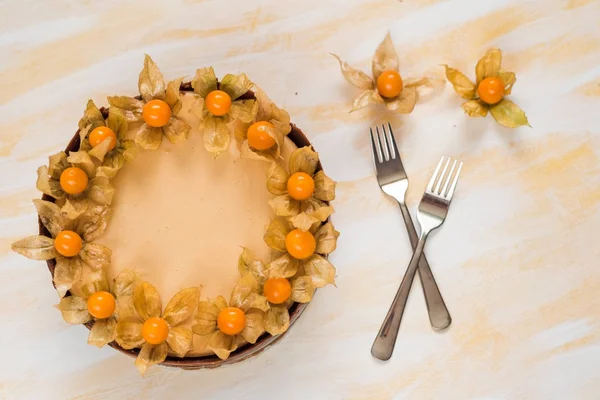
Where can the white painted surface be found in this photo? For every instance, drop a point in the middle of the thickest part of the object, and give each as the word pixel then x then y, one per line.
pixel 517 259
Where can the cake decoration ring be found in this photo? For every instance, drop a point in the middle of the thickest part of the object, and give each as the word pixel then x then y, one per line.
pixel 127 312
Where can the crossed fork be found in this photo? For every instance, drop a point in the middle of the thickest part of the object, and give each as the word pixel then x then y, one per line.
pixel 431 213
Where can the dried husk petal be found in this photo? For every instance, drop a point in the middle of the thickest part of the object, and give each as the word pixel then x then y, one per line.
pixel 205 81
pixel 243 111
pixel 81 159
pixel 151 354
pixel 95 281
pixel 277 319
pixel 461 84
pixel 275 234
pixel 405 102
pixel 489 65
pixel 366 98
pixel 173 95
pixel 385 57
pixel 285 266
pixel 508 114
pixel 509 79
pixel 235 85
pixel 206 318
pixel 128 153
pixel 311 220
pixel 255 326
pixel 217 136
pixel 101 191
pixel 92 223
pixel 95 255
pixel 315 207
pixel 100 151
pixel 221 303
pixel 146 301
pixel 129 333
pixel 92 117
pixel 354 76
pixel 57 164
pixel 245 294
pixel 249 264
pixel 305 222
pixel 324 187
pixel 222 345
pixel 180 340
pixel 475 108
pixel 151 83
pixel 66 273
pixel 326 238
pixel 75 207
pixel 117 122
pixel 51 216
pixel 48 186
pixel 284 206
pixel 320 212
pixel 125 283
pixel 181 306
pixel 74 310
pixel 125 307
pixel 148 137
pixel 130 107
pixel 35 247
pixel 107 171
pixel 320 270
pixel 304 160
pixel 277 178
pixel 176 130
pixel 302 289
pixel 103 332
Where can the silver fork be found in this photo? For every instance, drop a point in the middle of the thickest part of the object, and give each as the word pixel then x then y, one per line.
pixel 394 182
pixel 431 214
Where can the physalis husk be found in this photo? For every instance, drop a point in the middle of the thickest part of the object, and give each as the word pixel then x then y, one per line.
pixel 158 108
pixel 385 85
pixel 154 330
pixel 70 243
pixel 489 90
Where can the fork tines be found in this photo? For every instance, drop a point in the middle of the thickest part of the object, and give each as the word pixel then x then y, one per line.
pixel 384 144
pixel 444 183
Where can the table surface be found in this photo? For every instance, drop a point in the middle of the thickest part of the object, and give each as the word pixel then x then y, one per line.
pixel 517 259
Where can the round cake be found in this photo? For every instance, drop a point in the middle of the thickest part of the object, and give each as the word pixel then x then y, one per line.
pixel 187 226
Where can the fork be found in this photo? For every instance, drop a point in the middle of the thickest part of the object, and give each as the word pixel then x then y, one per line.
pixel 394 182
pixel 431 215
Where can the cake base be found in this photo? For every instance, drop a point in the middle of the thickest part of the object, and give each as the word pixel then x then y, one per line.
pixel 209 361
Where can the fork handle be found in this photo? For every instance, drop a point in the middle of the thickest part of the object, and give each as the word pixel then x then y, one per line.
pixel 439 317
pixel 383 346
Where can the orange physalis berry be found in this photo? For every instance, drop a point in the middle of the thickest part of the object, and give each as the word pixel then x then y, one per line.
pixel 68 243
pixel 491 90
pixel 258 138
pixel 389 84
pixel 277 290
pixel 231 321
pixel 300 244
pixel 155 330
pixel 73 180
pixel 156 113
pixel 101 305
pixel 218 103
pixel 101 133
pixel 300 186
